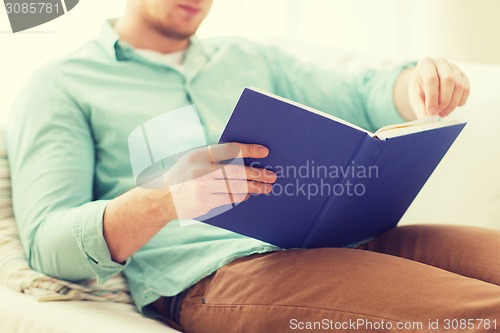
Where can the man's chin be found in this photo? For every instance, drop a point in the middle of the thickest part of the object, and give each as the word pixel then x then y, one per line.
pixel 176 33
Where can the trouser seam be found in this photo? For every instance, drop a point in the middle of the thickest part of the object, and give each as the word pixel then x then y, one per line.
pixel 246 306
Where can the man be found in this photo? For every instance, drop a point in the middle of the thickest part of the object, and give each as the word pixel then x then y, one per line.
pixel 81 216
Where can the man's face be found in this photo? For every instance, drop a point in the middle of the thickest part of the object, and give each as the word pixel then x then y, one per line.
pixel 175 18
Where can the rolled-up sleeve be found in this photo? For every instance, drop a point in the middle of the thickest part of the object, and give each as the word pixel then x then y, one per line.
pixel 52 159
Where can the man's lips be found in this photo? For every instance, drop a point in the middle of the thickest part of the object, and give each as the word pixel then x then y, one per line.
pixel 191 10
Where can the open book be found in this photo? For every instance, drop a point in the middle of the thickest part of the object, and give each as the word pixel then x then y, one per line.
pixel 338 184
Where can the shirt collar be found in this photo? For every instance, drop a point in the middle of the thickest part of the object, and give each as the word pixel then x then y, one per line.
pixel 108 38
pixel 196 55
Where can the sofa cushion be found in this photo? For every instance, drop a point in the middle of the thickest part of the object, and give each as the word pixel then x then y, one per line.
pixel 15 272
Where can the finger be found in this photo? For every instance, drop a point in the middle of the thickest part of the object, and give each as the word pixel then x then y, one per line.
pixel 259 188
pixel 235 186
pixel 418 105
pixel 430 83
pixel 417 98
pixel 447 79
pixel 457 92
pixel 232 150
pixel 466 93
pixel 232 171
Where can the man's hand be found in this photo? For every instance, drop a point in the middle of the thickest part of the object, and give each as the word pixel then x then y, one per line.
pixel 199 182
pixel 433 87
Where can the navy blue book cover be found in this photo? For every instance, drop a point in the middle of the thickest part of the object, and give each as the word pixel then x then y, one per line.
pixel 337 184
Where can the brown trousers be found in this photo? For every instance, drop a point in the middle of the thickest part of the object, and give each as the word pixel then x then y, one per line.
pixel 410 279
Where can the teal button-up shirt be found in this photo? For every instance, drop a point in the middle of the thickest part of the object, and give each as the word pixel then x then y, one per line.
pixel 67 145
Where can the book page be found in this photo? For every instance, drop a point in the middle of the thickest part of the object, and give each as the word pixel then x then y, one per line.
pixel 420 125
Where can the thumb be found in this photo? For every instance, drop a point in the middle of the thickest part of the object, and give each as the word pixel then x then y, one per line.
pixel 417 99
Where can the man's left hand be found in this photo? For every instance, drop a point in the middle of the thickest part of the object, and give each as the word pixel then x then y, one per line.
pixel 437 87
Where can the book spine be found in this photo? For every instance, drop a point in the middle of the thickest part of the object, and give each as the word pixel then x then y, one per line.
pixel 363 157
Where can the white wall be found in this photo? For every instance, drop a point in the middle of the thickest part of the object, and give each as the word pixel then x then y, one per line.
pixel 458 29
pixel 462 30
pixel 23 52
pixel 467 30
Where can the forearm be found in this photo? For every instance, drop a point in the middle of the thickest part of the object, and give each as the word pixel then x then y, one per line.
pixel 401 95
pixel 95 238
pixel 133 218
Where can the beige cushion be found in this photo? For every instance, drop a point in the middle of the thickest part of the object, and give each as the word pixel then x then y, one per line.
pixel 15 272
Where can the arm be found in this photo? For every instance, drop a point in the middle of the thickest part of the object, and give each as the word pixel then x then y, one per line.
pixel 51 155
pixel 64 231
pixel 364 98
pixel 133 218
pixel 371 98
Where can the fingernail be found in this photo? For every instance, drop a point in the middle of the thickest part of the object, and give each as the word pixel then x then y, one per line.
pixel 272 177
pixel 263 150
pixel 442 114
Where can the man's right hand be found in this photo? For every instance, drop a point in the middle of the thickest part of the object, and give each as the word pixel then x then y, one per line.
pixel 199 181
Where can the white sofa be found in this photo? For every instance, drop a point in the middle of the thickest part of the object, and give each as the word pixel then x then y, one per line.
pixel 465 189
pixel 20 313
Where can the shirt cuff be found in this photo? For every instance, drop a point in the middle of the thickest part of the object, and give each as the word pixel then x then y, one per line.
pixel 90 237
pixel 383 109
